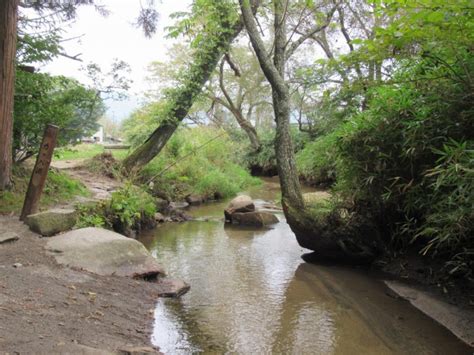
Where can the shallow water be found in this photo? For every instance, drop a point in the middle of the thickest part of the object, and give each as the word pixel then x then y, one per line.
pixel 251 293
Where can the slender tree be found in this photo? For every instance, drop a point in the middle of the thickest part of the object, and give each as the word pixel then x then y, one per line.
pixel 8 28
pixel 223 27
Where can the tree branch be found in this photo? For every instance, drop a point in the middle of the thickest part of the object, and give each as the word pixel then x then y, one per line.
pixel 294 46
pixel 267 65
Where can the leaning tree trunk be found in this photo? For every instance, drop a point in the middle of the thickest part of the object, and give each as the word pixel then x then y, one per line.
pixel 274 72
pixel 8 27
pixel 249 130
pixel 205 59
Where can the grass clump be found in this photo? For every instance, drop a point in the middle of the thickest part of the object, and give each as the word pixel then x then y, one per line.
pixel 59 188
pixel 130 209
pixel 193 163
pixel 87 151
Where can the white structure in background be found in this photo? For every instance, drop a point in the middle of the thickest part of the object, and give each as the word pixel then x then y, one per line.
pixel 98 137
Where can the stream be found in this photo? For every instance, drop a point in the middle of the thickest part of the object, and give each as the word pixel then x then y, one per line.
pixel 252 293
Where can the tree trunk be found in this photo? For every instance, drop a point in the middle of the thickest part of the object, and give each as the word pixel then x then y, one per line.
pixel 286 164
pixel 8 28
pixel 181 98
pixel 248 129
pixel 274 72
pixel 236 110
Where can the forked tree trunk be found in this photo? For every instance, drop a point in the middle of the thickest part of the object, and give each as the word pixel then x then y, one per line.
pixel 8 27
pixel 274 72
pixel 203 63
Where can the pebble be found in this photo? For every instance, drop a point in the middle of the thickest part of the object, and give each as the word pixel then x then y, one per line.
pixel 17 265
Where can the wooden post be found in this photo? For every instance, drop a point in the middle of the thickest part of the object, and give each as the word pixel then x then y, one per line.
pixel 40 172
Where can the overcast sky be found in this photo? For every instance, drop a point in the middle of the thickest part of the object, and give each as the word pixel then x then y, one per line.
pixel 114 36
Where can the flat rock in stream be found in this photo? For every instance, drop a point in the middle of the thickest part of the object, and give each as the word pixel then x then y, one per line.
pixel 172 288
pixel 256 219
pixel 104 253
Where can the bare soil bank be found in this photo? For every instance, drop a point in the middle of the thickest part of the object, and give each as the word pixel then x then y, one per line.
pixel 46 308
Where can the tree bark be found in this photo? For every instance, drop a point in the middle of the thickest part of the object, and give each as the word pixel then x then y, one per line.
pixel 180 100
pixel 236 110
pixel 274 72
pixel 8 29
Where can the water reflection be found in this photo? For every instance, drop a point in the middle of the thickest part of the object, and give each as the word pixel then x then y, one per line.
pixel 251 293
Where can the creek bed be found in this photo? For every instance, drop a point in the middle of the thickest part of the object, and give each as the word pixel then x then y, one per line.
pixel 251 293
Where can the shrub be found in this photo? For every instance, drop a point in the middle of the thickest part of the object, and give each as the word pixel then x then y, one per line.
pixel 59 188
pixel 194 161
pixel 130 208
pixel 408 159
pixel 317 161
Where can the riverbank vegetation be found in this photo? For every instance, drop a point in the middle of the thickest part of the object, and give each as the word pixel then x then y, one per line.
pixel 372 99
pixel 59 190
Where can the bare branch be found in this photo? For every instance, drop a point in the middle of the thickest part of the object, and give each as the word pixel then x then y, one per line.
pixel 318 28
pixel 73 57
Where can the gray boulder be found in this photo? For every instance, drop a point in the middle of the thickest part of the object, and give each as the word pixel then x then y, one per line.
pixel 172 288
pixel 178 205
pixel 240 204
pixel 256 219
pixel 161 204
pixel 159 217
pixel 195 200
pixel 103 252
pixel 52 222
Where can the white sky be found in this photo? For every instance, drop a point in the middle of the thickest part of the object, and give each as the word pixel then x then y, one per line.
pixel 115 36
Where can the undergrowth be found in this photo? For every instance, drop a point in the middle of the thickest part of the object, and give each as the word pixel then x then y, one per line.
pixel 59 188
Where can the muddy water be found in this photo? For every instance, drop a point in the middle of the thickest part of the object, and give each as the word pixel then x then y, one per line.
pixel 251 293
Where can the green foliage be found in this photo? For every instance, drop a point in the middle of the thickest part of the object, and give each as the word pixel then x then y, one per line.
pixel 409 160
pixel 41 99
pixel 317 161
pixel 449 208
pixel 193 161
pixel 91 216
pixel 264 160
pixel 131 205
pixel 59 188
pixel 142 122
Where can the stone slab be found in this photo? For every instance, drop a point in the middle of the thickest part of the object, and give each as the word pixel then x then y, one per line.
pixel 103 252
pixel 52 221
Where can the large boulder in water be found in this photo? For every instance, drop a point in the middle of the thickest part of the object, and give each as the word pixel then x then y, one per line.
pixel 195 200
pixel 52 222
pixel 240 204
pixel 256 219
pixel 340 236
pixel 103 252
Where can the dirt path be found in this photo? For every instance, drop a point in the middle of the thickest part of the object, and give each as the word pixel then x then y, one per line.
pixel 99 185
pixel 49 309
pixel 46 308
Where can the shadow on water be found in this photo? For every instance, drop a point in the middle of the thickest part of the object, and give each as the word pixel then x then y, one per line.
pixel 251 292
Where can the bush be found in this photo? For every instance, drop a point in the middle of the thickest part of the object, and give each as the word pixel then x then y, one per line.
pixel 409 160
pixel 317 161
pixel 194 161
pixel 59 188
pixel 130 208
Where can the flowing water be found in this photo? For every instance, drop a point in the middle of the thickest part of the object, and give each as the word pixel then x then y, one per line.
pixel 251 293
